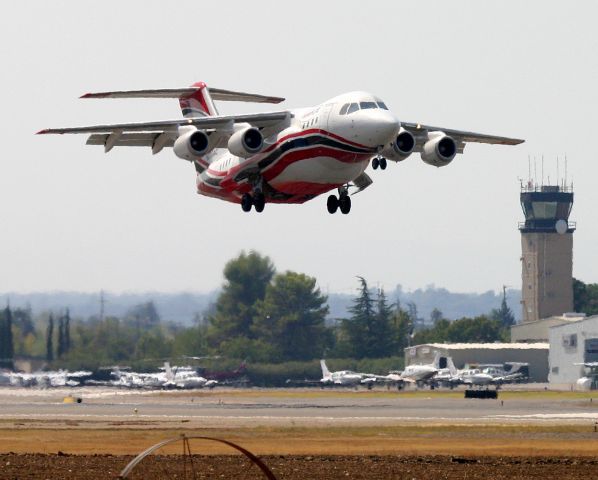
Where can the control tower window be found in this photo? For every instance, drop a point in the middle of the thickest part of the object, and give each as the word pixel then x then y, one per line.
pixel 544 210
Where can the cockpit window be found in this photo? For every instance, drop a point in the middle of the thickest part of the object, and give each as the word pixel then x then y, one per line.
pixel 365 105
pixel 382 105
pixel 344 109
pixel 353 108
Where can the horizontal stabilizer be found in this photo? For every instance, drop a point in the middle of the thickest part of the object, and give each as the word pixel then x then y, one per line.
pixel 216 94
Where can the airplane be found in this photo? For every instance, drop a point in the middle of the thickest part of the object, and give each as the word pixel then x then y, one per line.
pixel 185 377
pixel 590 380
pixel 421 373
pixel 284 156
pixel 345 377
pixel 482 376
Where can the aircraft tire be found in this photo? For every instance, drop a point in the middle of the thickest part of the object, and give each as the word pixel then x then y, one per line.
pixel 332 204
pixel 345 204
pixel 383 163
pixel 246 202
pixel 375 163
pixel 259 202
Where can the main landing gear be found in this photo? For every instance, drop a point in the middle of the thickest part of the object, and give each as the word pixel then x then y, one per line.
pixel 257 200
pixel 343 202
pixel 379 162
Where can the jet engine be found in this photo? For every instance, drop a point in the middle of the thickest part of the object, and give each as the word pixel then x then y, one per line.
pixel 192 144
pixel 245 142
pixel 439 150
pixel 400 148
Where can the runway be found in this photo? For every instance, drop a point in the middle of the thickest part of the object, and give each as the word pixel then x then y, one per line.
pixel 291 407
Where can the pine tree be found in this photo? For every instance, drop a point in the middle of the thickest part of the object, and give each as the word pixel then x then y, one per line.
pixel 60 347
pixel 382 341
pixel 504 314
pixel 49 341
pixel 67 331
pixel 358 328
pixel 10 349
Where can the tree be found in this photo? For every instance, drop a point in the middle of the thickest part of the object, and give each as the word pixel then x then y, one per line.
pixel 504 315
pixel 144 315
pixel 49 341
pixel 435 316
pixel 246 280
pixel 60 347
pixel 67 330
pixel 291 317
pixel 585 297
pixel 6 339
pixel 383 338
pixel 402 328
pixel 359 328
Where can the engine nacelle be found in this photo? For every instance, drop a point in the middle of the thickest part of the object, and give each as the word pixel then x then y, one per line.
pixel 192 145
pixel 246 142
pixel 400 148
pixel 439 150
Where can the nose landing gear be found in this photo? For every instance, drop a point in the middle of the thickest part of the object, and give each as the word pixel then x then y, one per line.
pixel 343 202
pixel 379 162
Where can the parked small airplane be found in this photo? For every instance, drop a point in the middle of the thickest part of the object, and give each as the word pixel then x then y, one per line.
pixel 345 377
pixel 286 156
pixel 590 380
pixel 421 373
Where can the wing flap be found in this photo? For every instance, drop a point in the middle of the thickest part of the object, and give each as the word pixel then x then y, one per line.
pixel 128 140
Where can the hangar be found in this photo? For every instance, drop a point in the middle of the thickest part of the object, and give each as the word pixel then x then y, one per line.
pixel 571 343
pixel 535 354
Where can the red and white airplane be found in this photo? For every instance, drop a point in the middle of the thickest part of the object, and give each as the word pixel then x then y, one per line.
pixel 287 156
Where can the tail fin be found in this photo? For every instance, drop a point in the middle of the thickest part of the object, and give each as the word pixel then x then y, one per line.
pixel 168 371
pixel 325 371
pixel 451 366
pixel 199 103
pixel 195 101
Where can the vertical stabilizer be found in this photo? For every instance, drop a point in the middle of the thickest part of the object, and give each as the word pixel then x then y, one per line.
pixel 451 366
pixel 325 371
pixel 168 371
pixel 199 103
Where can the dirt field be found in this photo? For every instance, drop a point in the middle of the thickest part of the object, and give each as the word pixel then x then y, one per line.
pixel 96 467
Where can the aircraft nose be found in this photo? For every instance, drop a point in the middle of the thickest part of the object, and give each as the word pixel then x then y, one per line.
pixel 379 127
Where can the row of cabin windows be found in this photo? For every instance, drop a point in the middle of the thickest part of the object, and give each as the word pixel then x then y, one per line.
pixel 348 108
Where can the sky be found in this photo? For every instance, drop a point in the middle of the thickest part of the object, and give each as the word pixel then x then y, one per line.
pixel 74 218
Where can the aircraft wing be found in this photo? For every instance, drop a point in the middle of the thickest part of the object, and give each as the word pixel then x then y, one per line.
pixel 223 122
pixel 460 136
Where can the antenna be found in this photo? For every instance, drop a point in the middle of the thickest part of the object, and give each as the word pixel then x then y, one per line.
pixel 542 169
pixel 535 172
pixel 529 169
pixel 565 169
pixel 557 169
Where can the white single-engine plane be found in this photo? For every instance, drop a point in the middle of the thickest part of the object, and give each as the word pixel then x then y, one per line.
pixel 287 156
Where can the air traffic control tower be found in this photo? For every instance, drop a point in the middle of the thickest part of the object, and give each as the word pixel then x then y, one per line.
pixel 547 251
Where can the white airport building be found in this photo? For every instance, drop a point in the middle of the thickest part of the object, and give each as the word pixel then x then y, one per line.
pixel 571 343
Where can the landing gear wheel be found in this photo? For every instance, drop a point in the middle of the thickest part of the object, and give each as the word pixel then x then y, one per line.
pixel 376 163
pixel 246 202
pixel 259 201
pixel 383 163
pixel 332 204
pixel 345 204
